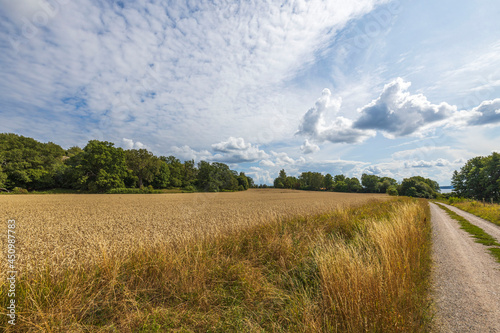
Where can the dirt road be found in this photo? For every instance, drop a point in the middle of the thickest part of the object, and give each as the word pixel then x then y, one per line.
pixel 466 278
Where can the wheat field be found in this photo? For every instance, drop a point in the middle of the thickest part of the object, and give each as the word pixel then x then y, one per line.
pixel 65 231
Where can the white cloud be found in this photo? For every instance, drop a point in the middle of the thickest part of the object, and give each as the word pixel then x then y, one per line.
pixel 427 164
pixel 187 153
pixel 396 112
pixel 308 148
pixel 314 125
pixel 130 144
pixel 267 163
pixel 150 67
pixel 488 112
pixel 235 150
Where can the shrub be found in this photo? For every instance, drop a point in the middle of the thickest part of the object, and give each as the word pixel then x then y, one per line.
pixel 392 190
pixel 19 190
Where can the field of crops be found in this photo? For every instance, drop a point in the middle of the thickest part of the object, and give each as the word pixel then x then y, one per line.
pixel 260 260
pixel 64 231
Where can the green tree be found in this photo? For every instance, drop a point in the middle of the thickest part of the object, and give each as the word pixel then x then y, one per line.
pixel 243 181
pixel 329 182
pixel 370 183
pixel 102 167
pixel 189 173
pixel 144 165
pixel 162 178
pixel 176 170
pixel 280 182
pixel 419 187
pixel 28 163
pixel 392 190
pixel 354 185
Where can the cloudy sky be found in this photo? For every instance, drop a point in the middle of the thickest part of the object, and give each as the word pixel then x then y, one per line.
pixel 393 88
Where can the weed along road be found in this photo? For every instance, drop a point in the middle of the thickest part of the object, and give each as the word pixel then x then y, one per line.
pixel 466 278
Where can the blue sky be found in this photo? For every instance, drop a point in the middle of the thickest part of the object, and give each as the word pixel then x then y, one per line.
pixel 393 88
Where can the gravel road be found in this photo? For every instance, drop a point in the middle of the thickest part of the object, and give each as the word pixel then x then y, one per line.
pixel 466 278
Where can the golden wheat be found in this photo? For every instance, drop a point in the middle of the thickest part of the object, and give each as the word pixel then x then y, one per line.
pixel 67 231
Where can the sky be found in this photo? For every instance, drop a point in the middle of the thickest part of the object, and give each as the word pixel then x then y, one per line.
pixel 393 88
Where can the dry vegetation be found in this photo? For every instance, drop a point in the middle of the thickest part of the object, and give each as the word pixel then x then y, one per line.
pixel 487 211
pixel 67 230
pixel 261 260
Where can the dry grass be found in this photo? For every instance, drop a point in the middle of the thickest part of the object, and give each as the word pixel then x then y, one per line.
pixel 67 230
pixel 487 211
pixel 277 261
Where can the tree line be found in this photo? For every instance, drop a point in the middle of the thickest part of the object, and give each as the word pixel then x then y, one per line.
pixel 101 167
pixel 479 178
pixel 416 186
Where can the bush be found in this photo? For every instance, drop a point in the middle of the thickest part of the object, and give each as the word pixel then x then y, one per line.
pixel 141 190
pixel 392 190
pixel 190 189
pixel 19 190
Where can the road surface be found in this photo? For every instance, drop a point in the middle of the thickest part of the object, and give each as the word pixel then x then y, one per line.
pixel 465 277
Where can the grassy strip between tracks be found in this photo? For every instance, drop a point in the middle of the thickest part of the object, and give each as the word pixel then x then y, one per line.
pixel 478 233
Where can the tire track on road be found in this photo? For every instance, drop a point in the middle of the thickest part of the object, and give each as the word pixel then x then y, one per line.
pixel 466 279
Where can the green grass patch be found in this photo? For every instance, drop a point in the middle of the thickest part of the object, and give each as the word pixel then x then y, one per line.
pixel 480 236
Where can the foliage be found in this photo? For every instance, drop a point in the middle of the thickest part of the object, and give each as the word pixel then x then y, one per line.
pixel 392 190
pixel 28 163
pixel 339 183
pixel 101 167
pixel 419 187
pixel 479 178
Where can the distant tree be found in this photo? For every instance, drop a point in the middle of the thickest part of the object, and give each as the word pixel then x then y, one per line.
pixel 370 183
pixel 189 173
pixel 280 181
pixel 162 178
pixel 243 181
pixel 341 186
pixel 144 165
pixel 311 181
pixel 28 163
pixel 354 185
pixel 385 182
pixel 479 178
pixel 392 190
pixel 176 170
pixel 102 167
pixel 328 182
pixel 419 187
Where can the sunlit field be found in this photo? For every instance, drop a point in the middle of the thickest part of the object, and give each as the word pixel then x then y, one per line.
pixel 68 230
pixel 260 260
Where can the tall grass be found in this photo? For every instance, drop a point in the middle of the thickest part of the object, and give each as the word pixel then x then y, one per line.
pixel 487 211
pixel 350 270
pixel 376 281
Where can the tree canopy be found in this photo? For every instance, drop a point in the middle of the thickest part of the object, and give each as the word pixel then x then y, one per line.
pixel 100 166
pixel 479 178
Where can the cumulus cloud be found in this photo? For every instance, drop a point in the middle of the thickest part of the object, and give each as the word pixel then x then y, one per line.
pixel 488 112
pixel 236 150
pixel 396 112
pixel 187 153
pixel 373 170
pixel 427 164
pixel 130 144
pixel 308 148
pixel 232 144
pixel 139 65
pixel 314 125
